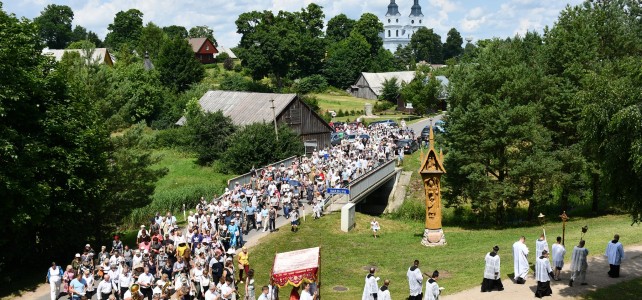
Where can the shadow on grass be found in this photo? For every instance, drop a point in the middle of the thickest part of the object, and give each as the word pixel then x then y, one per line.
pixel 22 281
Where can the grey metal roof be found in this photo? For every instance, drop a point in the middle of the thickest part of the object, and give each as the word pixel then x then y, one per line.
pixel 244 108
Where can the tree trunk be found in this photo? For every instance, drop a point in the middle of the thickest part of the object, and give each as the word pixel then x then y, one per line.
pixel 596 192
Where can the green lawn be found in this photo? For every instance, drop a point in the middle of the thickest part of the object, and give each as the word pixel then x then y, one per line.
pixel 624 290
pixel 345 257
pixel 345 103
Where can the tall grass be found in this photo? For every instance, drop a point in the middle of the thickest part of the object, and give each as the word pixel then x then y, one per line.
pixel 185 183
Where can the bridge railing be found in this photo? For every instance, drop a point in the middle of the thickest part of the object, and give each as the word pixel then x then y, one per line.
pixel 371 178
pixel 246 178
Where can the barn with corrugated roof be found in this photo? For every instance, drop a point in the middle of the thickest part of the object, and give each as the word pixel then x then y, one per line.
pixel 246 108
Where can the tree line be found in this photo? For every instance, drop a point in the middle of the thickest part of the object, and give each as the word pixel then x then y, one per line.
pixel 550 121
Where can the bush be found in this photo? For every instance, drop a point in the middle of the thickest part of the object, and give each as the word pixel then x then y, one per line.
pixel 314 83
pixel 221 57
pixel 210 134
pixel 340 113
pixel 238 68
pixel 174 138
pixel 210 66
pixel 380 106
pixel 228 64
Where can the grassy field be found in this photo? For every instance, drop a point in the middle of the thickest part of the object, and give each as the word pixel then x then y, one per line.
pixel 185 182
pixel 345 257
pixel 346 103
pixel 623 290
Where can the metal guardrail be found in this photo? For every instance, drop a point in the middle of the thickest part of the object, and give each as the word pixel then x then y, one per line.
pixel 245 178
pixel 371 178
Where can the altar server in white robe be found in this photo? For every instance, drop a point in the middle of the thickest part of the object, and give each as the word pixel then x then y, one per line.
pixel 558 257
pixel 520 260
pixel 492 279
pixel 579 265
pixel 540 245
pixel 615 254
pixel 370 290
pixel 432 288
pixel 384 291
pixel 543 275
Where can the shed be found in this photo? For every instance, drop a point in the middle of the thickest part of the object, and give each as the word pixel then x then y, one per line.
pixel 370 85
pixel 246 108
pixel 204 49
pixel 223 49
pixel 100 55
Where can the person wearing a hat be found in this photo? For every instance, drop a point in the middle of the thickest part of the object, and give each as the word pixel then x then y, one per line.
pixel 76 262
pixel 140 233
pixel 492 278
pixel 116 244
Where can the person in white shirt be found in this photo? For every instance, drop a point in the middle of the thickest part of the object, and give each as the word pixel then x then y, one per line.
pixel 227 289
pixel 265 290
pixel 124 280
pixel 558 251
pixel 105 288
pixel 305 293
pixel 89 279
pixel 145 281
pixel 540 245
pixel 615 254
pixel 579 264
pixel 54 277
pixel 211 293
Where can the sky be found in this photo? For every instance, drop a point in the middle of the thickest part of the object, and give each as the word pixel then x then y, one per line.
pixel 472 18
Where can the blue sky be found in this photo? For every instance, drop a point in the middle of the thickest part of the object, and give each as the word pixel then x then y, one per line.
pixel 475 19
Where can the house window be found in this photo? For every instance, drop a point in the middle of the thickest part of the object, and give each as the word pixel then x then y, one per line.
pixel 397 20
pixel 412 22
pixel 419 21
pixel 388 21
pixel 397 32
pixel 388 33
pixel 207 47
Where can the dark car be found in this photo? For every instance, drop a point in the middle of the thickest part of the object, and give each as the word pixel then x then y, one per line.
pixel 437 129
pixel 409 146
pixel 335 138
pixel 364 137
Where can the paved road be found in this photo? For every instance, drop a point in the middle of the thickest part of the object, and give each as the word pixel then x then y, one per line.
pixel 418 126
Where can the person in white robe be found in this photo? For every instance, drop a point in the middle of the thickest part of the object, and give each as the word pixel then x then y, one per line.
pixel 579 265
pixel 543 275
pixel 492 279
pixel 615 254
pixel 540 245
pixel 432 288
pixel 520 260
pixel 370 289
pixel 415 281
pixel 558 257
pixel 384 291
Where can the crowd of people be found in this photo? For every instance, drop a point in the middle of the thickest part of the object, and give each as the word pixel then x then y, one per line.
pixel 207 258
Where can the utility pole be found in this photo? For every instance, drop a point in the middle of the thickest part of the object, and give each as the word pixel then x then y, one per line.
pixel 276 130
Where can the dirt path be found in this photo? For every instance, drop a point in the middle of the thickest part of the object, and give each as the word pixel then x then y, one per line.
pixel 596 278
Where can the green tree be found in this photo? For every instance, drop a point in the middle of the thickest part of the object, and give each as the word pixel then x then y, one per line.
pixel 256 145
pixel 383 62
pixel 54 24
pixel 403 57
pixel 80 34
pixel 177 65
pixel 228 62
pixel 210 132
pixel 423 91
pixel 151 40
pixel 452 48
pixel 369 27
pixel 390 90
pixel 175 31
pixel 126 28
pixel 339 28
pixel 203 31
pixel 346 60
pixel 426 46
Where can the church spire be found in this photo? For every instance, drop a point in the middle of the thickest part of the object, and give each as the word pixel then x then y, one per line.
pixel 393 9
pixel 415 11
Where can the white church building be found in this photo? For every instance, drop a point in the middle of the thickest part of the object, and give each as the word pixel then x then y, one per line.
pixel 397 28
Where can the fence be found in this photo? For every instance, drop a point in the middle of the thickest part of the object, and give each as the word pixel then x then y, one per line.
pixel 371 178
pixel 246 178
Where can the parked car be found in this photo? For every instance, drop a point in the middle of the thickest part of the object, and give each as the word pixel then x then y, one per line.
pixel 351 138
pixel 409 146
pixel 390 123
pixel 364 137
pixel 335 138
pixel 437 129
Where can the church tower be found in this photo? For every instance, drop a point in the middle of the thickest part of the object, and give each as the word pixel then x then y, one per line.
pixel 393 25
pixel 415 20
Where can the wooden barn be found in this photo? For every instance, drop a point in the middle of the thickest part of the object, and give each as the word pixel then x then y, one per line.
pixel 204 50
pixel 246 108
pixel 369 85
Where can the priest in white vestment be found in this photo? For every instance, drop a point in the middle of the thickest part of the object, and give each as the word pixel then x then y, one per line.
pixel 579 263
pixel 543 274
pixel 540 245
pixel 370 290
pixel 384 291
pixel 520 260
pixel 432 288
pixel 558 257
pixel 415 281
